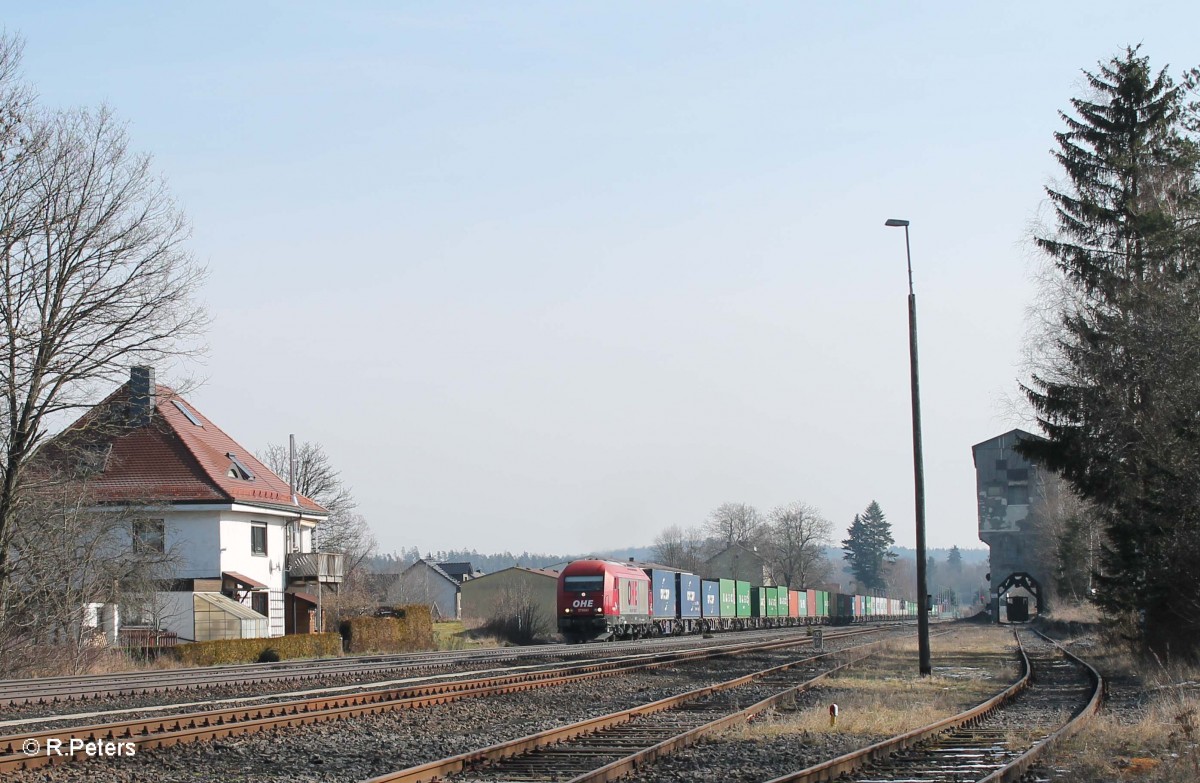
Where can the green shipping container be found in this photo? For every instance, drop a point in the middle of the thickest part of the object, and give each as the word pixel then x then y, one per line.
pixel 772 602
pixel 728 597
pixel 822 603
pixel 804 603
pixel 781 599
pixel 743 598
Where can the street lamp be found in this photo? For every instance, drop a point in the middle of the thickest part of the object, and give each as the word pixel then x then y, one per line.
pixel 918 466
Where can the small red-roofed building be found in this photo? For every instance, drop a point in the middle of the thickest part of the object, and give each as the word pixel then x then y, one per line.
pixel 243 542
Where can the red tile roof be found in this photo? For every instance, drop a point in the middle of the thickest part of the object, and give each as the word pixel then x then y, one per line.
pixel 172 460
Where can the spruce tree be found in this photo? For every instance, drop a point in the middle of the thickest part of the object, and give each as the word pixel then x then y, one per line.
pixel 954 561
pixel 868 547
pixel 1118 395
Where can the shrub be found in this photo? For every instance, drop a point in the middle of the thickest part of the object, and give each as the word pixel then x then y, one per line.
pixel 517 619
pixel 303 645
pixel 269 655
pixel 411 628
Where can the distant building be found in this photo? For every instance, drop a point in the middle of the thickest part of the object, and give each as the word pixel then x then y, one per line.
pixel 426 583
pixel 460 572
pixel 244 542
pixel 738 562
pixel 489 595
pixel 1008 486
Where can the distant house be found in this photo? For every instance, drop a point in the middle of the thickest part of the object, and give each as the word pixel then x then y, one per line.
pixel 489 595
pixel 427 583
pixel 243 541
pixel 460 572
pixel 737 562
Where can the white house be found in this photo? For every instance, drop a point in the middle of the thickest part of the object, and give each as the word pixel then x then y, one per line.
pixel 242 539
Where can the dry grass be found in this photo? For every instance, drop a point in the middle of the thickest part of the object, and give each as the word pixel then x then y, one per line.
pixel 1161 747
pixel 1073 613
pixel 454 635
pixel 885 696
pixel 1149 730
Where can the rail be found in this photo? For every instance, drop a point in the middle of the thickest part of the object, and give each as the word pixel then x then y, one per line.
pixel 191 727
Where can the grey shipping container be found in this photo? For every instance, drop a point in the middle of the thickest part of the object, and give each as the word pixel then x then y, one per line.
pixel 687 588
pixel 711 607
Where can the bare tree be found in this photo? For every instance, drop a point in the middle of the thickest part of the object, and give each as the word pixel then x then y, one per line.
pixel 734 523
pixel 680 548
pixel 1066 539
pixel 316 478
pixel 795 546
pixel 900 579
pixel 95 274
pixel 73 557
pixel 518 617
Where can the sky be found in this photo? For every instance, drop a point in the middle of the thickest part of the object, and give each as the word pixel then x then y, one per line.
pixel 555 276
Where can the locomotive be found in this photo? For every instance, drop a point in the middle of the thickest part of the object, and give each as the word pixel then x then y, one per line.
pixel 603 599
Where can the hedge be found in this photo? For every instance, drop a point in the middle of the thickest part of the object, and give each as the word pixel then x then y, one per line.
pixel 300 645
pixel 410 629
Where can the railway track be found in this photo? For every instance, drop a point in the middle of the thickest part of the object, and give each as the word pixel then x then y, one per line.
pixel 610 746
pixel 995 742
pixel 54 690
pixel 190 727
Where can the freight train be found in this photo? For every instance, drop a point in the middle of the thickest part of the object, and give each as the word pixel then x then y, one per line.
pixel 602 599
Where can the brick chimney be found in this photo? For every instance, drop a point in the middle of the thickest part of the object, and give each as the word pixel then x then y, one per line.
pixel 141 396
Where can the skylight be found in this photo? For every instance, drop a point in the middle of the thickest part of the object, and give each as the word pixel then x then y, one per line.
pixel 238 470
pixel 184 410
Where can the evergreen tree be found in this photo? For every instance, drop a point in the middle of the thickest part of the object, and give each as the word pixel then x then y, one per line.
pixel 868 547
pixel 954 561
pixel 1118 395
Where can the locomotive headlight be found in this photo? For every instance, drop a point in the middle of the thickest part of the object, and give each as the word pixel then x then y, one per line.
pixel 567 610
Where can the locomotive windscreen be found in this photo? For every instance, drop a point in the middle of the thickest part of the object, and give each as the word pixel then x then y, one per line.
pixel 590 584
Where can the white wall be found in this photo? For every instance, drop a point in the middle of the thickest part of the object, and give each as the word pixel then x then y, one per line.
pixel 210 541
pixel 175 612
pixel 236 555
pixel 422 585
pixel 193 535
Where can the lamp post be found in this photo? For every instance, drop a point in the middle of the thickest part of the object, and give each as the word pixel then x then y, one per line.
pixel 918 466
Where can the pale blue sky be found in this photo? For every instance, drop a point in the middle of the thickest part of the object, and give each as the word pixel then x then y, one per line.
pixel 554 276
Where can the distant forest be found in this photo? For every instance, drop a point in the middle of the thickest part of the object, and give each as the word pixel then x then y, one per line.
pixel 395 562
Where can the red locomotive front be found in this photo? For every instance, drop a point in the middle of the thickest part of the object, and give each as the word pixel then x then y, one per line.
pixel 598 599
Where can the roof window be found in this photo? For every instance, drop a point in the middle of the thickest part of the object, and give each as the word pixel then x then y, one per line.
pixel 187 412
pixel 238 469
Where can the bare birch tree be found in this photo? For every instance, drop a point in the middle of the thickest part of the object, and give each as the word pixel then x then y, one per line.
pixel 96 277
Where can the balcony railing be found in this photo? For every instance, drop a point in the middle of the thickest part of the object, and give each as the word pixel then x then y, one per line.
pixel 322 566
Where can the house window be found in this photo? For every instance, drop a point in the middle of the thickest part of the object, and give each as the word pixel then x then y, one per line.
pixel 258 602
pixel 149 535
pixel 238 469
pixel 258 539
pixel 186 412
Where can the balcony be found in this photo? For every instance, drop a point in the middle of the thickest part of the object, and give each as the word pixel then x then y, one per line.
pixel 322 566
